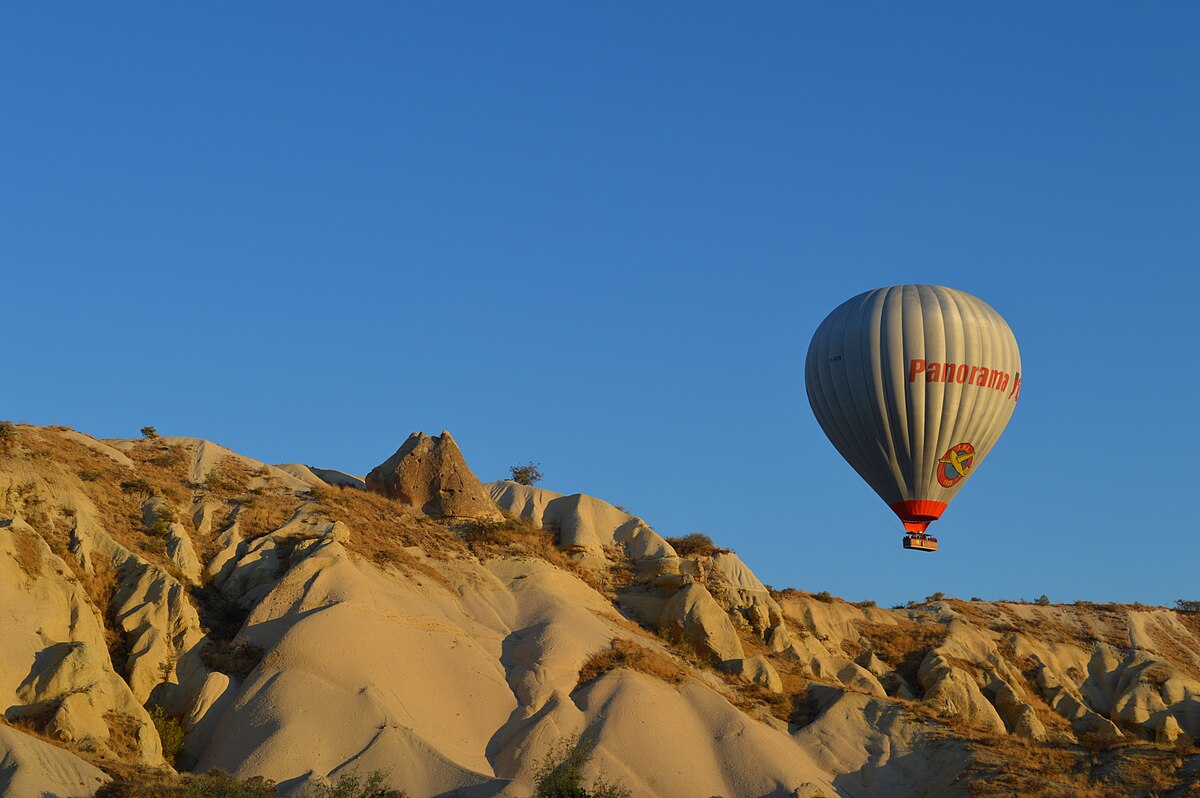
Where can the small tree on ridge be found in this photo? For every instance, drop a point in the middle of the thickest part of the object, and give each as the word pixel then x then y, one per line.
pixel 528 474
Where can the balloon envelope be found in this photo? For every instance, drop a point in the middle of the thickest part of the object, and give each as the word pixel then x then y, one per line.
pixel 913 384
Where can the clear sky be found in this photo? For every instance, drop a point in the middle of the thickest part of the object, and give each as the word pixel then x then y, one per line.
pixel 600 236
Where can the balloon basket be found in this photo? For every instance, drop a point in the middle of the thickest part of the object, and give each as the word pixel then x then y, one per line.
pixel 920 543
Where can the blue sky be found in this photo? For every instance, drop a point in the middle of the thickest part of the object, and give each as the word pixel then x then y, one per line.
pixel 600 237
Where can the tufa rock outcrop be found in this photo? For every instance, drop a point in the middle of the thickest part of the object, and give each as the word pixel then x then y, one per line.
pixel 431 473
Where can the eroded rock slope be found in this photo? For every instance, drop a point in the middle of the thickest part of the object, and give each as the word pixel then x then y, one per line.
pixel 296 626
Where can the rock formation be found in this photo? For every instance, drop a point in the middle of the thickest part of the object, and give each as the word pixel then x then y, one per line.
pixel 297 635
pixel 431 473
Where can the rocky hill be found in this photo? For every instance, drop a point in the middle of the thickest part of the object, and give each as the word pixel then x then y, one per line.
pixel 167 605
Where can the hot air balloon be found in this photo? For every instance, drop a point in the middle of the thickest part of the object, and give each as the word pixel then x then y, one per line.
pixel 913 384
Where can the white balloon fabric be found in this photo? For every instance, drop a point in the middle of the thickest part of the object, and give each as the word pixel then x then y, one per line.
pixel 913 384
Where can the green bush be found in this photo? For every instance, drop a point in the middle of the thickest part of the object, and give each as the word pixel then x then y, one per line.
pixel 350 785
pixel 8 433
pixel 560 775
pixel 696 543
pixel 219 784
pixel 149 432
pixel 88 475
pixel 138 485
pixel 170 731
pixel 528 474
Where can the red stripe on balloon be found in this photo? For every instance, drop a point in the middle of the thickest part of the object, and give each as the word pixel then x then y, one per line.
pixel 917 514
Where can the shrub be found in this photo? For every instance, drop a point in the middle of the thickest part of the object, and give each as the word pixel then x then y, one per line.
pixel 219 784
pixel 350 785
pixel 1187 605
pixel 161 784
pixel 493 533
pixel 560 774
pixel 215 482
pixel 528 474
pixel 695 544
pixel 938 596
pixel 235 658
pixel 164 516
pixel 824 596
pixel 138 485
pixel 171 457
pixel 88 475
pixel 170 731
pixel 8 433
pixel 1096 741
pixel 864 605
pixel 149 432
pixel 1042 600
pixel 804 709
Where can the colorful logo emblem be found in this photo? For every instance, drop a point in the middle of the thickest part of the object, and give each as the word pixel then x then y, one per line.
pixel 955 464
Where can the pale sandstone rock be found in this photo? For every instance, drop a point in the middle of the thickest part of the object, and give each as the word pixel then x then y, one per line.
pixel 205 457
pixel 954 693
pixel 1019 717
pixel 739 591
pixel 323 477
pixel 30 767
pixel 759 670
pixel 1168 730
pixel 584 523
pixel 694 616
pixel 54 652
pixel 892 682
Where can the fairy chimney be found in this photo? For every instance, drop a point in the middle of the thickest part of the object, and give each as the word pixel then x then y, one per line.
pixel 431 473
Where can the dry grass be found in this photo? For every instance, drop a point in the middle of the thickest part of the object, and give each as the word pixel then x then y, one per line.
pixel 1058 726
pixel 1182 653
pixel 265 511
pixel 229 478
pixel 142 782
pixel 624 653
pixel 1191 620
pixel 27 552
pixel 512 536
pixel 119 509
pixel 383 526
pixel 903 645
pixel 518 537
pixel 122 735
pixel 100 587
pixel 139 781
pixel 1084 624
pixel 1004 766
pixel 33 719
